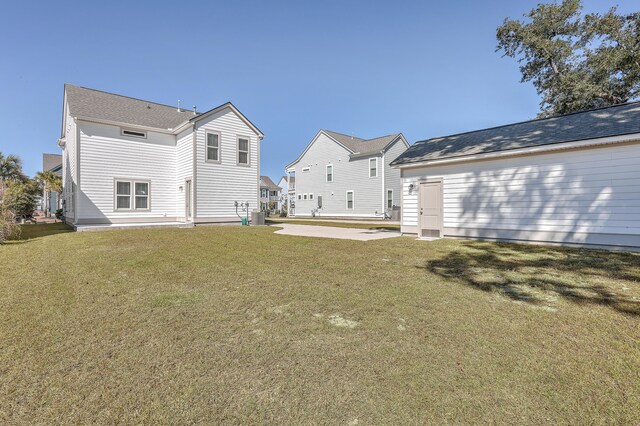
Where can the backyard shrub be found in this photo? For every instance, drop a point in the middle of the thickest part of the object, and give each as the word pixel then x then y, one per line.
pixel 9 229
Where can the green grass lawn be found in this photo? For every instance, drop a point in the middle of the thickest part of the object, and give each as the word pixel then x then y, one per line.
pixel 236 325
pixel 317 222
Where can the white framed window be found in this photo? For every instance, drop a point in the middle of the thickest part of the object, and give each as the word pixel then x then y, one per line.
pixel 141 195
pixel 299 196
pixel 389 198
pixel 133 133
pixel 305 196
pixel 329 172
pixel 132 194
pixel 350 200
pixel 264 193
pixel 212 148
pixel 373 167
pixel 305 169
pixel 243 151
pixel 123 195
pixel 311 196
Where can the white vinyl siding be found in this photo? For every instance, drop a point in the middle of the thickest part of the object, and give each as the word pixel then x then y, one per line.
pixel 392 175
pixel 69 168
pixel 218 185
pixel 566 196
pixel 106 157
pixel 184 170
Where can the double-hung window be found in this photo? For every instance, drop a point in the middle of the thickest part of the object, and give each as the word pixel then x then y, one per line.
pixel 389 198
pixel 243 150
pixel 350 201
pixel 132 195
pixel 142 195
pixel 123 195
pixel 373 167
pixel 213 147
pixel 330 173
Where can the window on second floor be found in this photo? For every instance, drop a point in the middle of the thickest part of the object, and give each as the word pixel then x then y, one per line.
pixel 373 167
pixel 243 151
pixel 213 147
pixel 330 173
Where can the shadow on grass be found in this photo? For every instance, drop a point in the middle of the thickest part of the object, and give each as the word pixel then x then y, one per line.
pixel 32 232
pixel 540 275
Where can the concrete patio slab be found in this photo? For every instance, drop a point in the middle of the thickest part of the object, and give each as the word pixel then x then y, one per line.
pixel 338 233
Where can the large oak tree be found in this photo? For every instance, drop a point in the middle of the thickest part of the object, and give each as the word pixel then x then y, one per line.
pixel 575 61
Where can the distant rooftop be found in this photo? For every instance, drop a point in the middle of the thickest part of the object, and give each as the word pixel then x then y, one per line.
pixel 51 162
pixel 361 146
pixel 268 183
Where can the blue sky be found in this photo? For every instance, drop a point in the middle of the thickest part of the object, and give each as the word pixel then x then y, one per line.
pixel 359 67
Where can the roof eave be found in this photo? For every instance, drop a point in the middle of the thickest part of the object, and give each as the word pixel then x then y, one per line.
pixel 538 149
pixel 122 124
pixel 231 106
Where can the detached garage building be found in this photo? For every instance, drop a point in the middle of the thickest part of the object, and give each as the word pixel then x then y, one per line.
pixel 572 179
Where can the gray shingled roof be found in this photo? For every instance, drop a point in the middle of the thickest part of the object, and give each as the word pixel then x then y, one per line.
pixel 90 103
pixel 599 123
pixel 51 161
pixel 268 183
pixel 359 146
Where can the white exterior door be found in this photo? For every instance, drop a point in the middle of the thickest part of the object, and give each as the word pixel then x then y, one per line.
pixel 431 209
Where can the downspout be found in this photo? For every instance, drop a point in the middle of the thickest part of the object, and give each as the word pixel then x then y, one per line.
pixel 384 205
pixel 76 204
pixel 258 181
pixel 194 177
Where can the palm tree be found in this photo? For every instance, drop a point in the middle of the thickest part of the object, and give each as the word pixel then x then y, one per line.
pixel 10 170
pixel 50 182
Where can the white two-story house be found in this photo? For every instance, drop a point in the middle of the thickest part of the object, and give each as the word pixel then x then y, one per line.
pixel 130 161
pixel 344 176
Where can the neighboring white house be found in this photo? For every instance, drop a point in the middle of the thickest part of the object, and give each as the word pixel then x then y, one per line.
pixel 572 179
pixel 127 160
pixel 269 194
pixel 344 176
pixel 287 195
